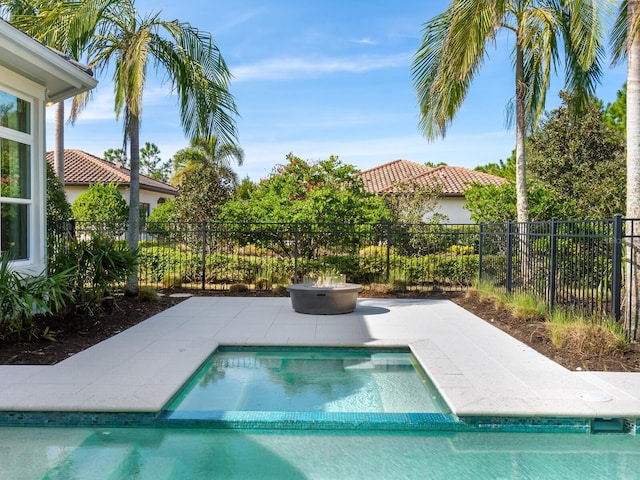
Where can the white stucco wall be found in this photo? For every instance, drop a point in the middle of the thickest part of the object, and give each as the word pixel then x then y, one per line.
pixel 453 207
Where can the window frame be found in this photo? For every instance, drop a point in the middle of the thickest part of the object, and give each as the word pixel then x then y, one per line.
pixel 34 94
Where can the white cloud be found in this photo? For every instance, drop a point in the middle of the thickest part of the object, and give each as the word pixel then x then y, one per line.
pixel 289 68
pixel 365 41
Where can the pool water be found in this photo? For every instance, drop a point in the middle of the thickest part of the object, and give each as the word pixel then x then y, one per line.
pixel 192 454
pixel 326 406
pixel 303 380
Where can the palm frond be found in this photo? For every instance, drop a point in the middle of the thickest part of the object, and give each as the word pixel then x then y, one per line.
pixel 452 50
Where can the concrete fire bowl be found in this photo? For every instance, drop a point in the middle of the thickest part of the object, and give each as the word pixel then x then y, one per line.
pixel 324 300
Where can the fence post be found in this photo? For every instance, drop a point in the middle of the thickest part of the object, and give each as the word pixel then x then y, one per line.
pixel 509 255
pixel 71 228
pixel 480 250
pixel 554 264
pixel 295 252
pixel 616 267
pixel 204 253
pixel 388 265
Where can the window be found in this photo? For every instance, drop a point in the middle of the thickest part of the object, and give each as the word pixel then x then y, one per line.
pixel 16 200
pixel 144 213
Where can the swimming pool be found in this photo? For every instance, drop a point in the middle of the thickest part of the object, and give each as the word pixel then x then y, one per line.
pixel 308 380
pixel 193 454
pixel 368 436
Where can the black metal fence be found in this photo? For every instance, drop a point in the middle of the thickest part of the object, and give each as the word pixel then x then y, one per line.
pixel 576 264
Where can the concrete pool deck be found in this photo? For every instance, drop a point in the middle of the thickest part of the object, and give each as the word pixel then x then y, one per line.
pixel 478 369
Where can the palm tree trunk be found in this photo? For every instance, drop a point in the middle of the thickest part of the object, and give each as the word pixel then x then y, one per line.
pixel 58 141
pixel 632 270
pixel 133 232
pixel 522 203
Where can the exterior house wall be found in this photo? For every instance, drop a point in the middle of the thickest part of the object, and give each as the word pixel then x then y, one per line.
pixel 453 208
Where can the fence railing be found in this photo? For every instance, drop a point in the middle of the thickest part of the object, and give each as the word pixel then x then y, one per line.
pixel 576 264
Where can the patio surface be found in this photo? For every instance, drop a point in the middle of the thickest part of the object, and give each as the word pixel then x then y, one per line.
pixel 478 369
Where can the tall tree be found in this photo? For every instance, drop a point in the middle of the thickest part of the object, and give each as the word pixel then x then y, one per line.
pixel 454 47
pixel 191 62
pixel 68 26
pixel 211 153
pixel 625 38
pixel 581 160
pixel 615 114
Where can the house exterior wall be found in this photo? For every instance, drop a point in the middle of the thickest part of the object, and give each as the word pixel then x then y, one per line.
pixel 453 208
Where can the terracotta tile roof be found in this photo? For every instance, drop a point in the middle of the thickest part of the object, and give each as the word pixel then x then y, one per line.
pixel 379 179
pixel 453 180
pixel 82 168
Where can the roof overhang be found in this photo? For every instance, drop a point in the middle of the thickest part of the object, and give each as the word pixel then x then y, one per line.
pixel 61 77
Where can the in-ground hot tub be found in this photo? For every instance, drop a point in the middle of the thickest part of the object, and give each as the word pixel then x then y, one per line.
pixel 320 300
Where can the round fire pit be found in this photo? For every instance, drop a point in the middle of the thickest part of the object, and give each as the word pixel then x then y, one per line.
pixel 324 300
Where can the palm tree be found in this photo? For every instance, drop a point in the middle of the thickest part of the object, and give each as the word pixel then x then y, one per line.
pixel 209 152
pixel 68 26
pixel 455 43
pixel 111 30
pixel 625 39
pixel 193 65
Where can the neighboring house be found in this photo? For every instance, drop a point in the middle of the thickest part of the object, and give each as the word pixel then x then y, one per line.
pixel 31 77
pixel 452 180
pixel 81 170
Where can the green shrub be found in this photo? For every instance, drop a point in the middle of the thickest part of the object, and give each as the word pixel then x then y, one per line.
pixel 101 203
pixel 461 250
pixel 279 290
pixel 262 283
pixel 58 208
pixel 159 222
pixel 22 297
pixel 172 280
pixel 98 264
pixel 147 294
pixel 238 288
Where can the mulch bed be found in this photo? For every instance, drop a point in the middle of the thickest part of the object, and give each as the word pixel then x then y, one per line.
pixel 78 332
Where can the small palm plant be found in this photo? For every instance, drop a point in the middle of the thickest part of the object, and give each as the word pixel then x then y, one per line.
pixel 22 297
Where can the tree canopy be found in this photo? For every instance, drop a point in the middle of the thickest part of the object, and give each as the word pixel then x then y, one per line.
pixel 581 160
pixel 312 192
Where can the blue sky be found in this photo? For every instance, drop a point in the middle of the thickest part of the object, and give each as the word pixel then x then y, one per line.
pixel 320 78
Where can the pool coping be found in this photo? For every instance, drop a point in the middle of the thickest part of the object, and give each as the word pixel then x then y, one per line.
pixel 480 371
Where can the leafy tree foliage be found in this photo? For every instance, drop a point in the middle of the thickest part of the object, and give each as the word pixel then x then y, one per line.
pixel 206 152
pixel 615 114
pixel 316 192
pixel 203 190
pixel 245 189
pixel 116 155
pixel 581 161
pixel 158 221
pixel 101 202
pixel 434 164
pixel 491 203
pixel 58 208
pixel 412 202
pixel 505 169
pixel 152 165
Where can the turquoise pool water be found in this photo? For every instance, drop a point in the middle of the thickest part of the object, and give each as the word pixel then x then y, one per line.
pixel 304 380
pixel 308 414
pixel 193 454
